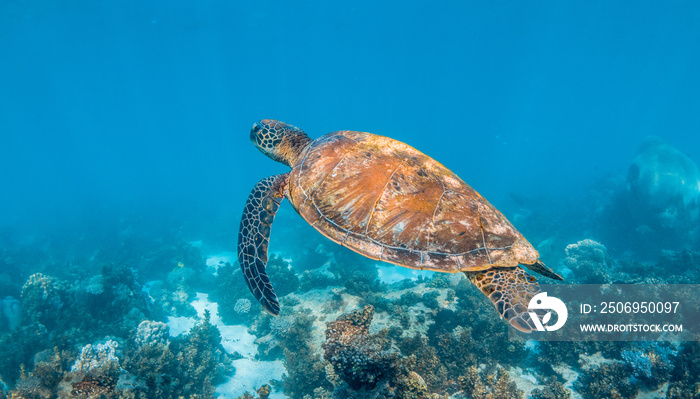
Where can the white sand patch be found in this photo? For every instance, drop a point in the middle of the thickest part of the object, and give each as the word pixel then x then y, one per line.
pixel 180 325
pixel 392 274
pixel 570 376
pixel 594 361
pixel 659 393
pixel 525 382
pixel 237 339
pixel 251 375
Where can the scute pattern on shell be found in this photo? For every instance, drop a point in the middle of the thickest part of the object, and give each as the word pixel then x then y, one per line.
pixel 390 202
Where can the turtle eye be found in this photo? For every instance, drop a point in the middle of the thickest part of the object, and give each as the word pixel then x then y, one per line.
pixel 253 132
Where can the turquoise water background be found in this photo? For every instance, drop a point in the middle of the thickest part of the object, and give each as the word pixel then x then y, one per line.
pixel 142 108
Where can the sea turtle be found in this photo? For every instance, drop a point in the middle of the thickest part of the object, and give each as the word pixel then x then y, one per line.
pixel 389 202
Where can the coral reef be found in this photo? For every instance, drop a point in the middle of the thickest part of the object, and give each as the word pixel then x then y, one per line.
pixel 94 373
pixel 281 272
pixel 552 390
pixel 96 356
pixel 46 300
pixel 610 380
pixel 490 386
pixel 685 378
pixel 242 306
pixel 360 359
pixel 153 333
pixel 650 362
pixel 587 259
pixel 188 366
pixel 306 370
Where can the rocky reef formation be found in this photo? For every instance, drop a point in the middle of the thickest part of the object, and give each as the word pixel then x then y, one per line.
pixel 361 360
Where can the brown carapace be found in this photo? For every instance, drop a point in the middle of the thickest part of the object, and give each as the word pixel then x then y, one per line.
pixel 389 202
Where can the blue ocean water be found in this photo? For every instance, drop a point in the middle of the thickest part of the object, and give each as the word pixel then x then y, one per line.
pixel 132 118
pixel 135 105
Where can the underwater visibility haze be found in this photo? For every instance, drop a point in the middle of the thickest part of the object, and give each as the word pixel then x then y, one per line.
pixel 126 161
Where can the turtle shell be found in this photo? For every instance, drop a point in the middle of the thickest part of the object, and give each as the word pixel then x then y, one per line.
pixel 390 202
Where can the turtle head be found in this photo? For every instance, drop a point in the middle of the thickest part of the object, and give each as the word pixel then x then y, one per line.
pixel 278 140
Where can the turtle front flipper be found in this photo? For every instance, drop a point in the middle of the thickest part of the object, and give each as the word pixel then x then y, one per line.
pixel 254 237
pixel 510 289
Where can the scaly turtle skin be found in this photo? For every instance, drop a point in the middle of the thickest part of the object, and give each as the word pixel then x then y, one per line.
pixel 389 202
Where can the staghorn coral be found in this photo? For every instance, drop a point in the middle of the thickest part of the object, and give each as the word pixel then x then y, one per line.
pixel 410 385
pixel 360 359
pixel 316 278
pixel 587 260
pixel 424 360
pixel 229 288
pixel 51 365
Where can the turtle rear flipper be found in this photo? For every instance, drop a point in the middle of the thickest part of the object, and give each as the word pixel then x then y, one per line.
pixel 510 289
pixel 254 237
